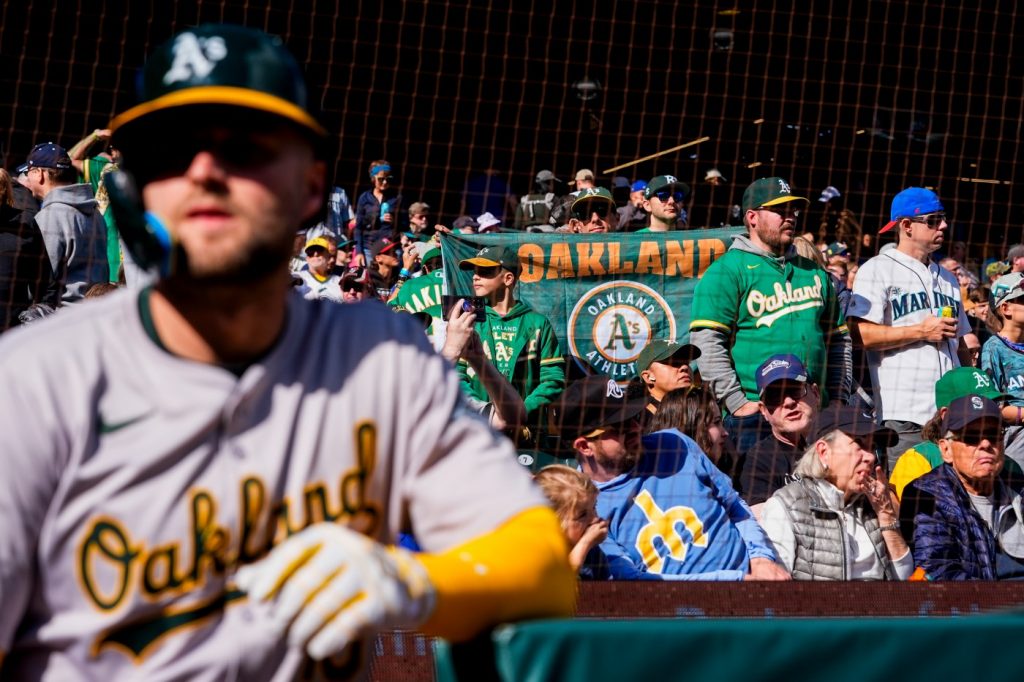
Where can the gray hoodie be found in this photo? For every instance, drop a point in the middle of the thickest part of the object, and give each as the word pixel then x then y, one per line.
pixel 76 239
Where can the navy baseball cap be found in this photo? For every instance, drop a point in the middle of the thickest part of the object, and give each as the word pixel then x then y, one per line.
pixel 786 367
pixel 47 155
pixel 912 201
pixel 591 403
pixel 853 422
pixel 969 409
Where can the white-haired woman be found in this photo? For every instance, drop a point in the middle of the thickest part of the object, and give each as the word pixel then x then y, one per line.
pixel 840 520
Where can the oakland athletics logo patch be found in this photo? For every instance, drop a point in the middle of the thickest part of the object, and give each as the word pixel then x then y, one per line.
pixel 613 322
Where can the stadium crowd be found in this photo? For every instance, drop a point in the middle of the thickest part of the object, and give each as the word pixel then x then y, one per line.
pixel 884 443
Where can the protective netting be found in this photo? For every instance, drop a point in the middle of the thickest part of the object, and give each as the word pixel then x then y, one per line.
pixel 865 99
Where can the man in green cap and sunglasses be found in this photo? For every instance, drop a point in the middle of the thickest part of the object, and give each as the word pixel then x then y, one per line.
pixel 762 298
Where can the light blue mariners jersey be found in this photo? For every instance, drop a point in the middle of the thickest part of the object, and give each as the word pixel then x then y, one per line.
pixel 675 516
pixel 1005 365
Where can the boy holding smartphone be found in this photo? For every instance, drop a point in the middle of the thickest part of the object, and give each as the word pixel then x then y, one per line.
pixel 518 341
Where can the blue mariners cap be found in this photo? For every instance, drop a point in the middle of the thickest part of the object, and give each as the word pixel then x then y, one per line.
pixel 223 65
pixel 778 368
pixel 913 201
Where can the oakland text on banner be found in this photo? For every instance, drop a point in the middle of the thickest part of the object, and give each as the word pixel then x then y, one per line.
pixel 607 295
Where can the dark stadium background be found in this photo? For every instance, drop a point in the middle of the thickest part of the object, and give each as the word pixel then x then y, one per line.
pixel 868 99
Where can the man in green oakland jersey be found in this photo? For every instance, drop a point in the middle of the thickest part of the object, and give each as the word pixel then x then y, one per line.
pixel 759 299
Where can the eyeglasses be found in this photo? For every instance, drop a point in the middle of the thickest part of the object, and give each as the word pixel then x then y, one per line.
pixel 775 396
pixel 385 178
pixel 932 220
pixel 585 210
pixel 351 286
pixel 785 212
pixel 665 195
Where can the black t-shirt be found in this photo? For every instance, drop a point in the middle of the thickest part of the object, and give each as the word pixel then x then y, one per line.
pixel 765 468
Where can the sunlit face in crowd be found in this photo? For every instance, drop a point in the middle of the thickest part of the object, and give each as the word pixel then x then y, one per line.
pixel 319 260
pixel 616 448
pixel 789 406
pixel 849 461
pixel 775 225
pixel 718 435
pixel 594 216
pixel 490 280
pixel 976 453
pixel 667 375
pixel 583 517
pixel 665 206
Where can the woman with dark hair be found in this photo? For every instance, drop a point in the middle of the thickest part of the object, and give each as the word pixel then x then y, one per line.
pixel 694 411
pixel 377 211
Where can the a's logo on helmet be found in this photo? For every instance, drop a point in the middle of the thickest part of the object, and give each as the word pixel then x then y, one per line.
pixel 194 58
pixel 613 322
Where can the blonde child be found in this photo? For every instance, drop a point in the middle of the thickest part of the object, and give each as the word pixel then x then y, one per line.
pixel 574 498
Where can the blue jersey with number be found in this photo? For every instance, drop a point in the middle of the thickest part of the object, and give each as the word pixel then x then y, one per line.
pixel 675 516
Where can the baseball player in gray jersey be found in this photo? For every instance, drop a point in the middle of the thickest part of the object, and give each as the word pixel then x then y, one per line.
pixel 191 490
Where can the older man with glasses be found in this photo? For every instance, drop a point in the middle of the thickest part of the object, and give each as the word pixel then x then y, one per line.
pixel 964 519
pixel 789 404
pixel 907 311
pixel 762 296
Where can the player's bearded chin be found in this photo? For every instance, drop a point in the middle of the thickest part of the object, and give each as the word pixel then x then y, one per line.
pixel 259 261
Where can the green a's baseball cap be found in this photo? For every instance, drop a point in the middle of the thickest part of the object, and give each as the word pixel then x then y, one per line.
pixel 489 256
pixel 965 381
pixel 222 65
pixel 768 192
pixel 662 349
pixel 660 182
pixel 593 194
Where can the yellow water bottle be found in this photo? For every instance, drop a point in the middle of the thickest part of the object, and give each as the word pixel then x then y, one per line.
pixel 946 311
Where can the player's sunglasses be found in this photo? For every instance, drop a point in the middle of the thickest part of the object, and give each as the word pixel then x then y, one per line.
pixel 665 195
pixel 775 395
pixel 585 210
pixel 932 220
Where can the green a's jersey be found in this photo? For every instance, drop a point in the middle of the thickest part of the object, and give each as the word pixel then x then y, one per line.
pixel 421 294
pixel 768 306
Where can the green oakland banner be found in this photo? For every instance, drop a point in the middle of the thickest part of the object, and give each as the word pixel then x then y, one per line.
pixel 607 295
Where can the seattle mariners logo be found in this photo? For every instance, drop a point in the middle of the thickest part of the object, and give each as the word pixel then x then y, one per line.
pixel 613 322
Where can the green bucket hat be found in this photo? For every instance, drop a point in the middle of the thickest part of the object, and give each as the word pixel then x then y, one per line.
pixel 224 65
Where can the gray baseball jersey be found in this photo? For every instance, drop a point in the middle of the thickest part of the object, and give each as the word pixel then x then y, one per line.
pixel 135 482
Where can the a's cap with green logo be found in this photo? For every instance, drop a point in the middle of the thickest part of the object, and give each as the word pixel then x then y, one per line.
pixel 662 349
pixel 965 381
pixel 593 194
pixel 662 182
pixel 489 256
pixel 768 192
pixel 225 65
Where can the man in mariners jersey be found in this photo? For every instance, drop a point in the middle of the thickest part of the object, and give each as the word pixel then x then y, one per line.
pixel 192 490
pixel 762 298
pixel 907 313
pixel 672 514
